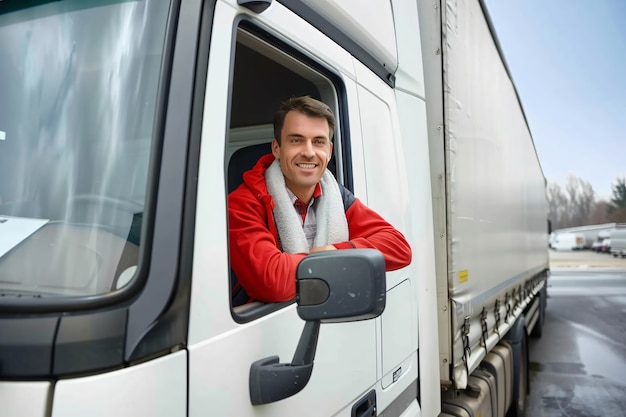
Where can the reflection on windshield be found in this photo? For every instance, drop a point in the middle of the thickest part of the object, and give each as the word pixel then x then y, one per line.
pixel 78 85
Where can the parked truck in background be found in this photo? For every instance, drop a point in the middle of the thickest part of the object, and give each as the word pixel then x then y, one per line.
pixel 124 125
pixel 618 241
pixel 590 233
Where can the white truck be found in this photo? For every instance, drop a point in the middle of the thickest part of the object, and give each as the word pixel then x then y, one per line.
pixel 123 126
pixel 618 241
pixel 590 233
pixel 568 241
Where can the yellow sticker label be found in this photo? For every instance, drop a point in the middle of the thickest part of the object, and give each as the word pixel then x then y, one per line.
pixel 463 276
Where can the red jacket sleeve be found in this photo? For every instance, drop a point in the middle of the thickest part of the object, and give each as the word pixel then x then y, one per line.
pixel 266 273
pixel 369 230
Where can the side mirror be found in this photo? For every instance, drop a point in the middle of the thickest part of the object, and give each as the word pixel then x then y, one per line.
pixel 331 287
pixel 335 287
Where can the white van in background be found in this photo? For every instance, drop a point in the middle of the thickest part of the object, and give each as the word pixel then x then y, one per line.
pixel 568 241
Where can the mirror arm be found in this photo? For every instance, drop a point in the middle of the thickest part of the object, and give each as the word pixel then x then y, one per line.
pixel 307 345
pixel 272 381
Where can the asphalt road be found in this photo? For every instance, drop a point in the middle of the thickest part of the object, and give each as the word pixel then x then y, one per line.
pixel 578 367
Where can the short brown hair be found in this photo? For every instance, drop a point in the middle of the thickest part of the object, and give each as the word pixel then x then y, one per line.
pixel 305 105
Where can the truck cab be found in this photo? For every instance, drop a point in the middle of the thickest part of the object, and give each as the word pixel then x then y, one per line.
pixel 125 125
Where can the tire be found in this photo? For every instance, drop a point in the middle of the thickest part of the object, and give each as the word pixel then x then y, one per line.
pixel 538 329
pixel 519 342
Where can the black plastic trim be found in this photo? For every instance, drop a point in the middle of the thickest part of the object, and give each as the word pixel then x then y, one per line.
pixel 256 6
pixel 261 310
pixel 90 342
pixel 158 318
pixel 305 11
pixel 346 142
pixel 366 406
pixel 26 346
pixel 171 330
pixel 272 381
pixel 402 401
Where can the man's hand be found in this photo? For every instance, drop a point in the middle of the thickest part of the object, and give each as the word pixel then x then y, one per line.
pixel 322 248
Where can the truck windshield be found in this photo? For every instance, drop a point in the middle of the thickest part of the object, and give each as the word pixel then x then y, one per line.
pixel 78 86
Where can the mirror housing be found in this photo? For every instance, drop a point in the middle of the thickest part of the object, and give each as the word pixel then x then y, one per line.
pixel 341 286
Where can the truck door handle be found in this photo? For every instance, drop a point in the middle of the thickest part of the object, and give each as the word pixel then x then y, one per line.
pixel 366 406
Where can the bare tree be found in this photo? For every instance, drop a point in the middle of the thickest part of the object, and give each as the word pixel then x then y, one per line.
pixel 581 198
pixel 557 206
pixel 599 213
pixel 572 206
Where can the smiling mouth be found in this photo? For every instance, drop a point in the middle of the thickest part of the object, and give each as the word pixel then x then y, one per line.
pixel 307 166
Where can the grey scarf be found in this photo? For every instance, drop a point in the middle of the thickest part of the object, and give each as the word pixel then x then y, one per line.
pixel 332 226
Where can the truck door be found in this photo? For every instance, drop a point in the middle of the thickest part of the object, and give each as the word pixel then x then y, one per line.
pixel 256 60
pixel 386 181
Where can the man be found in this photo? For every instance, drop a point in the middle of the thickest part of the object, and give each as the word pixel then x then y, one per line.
pixel 290 205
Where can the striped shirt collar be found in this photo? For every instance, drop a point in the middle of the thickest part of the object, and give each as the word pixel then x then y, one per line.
pixel 301 207
pixel 316 193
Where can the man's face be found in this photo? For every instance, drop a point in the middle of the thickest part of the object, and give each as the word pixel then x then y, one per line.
pixel 304 152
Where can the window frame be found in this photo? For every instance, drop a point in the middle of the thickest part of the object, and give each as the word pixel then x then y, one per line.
pixel 303 64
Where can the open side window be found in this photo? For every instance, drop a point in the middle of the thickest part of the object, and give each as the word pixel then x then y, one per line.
pixel 267 72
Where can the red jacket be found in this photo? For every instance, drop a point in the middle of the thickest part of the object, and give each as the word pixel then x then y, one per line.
pixel 268 274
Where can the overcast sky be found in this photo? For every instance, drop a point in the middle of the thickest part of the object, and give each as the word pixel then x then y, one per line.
pixel 568 61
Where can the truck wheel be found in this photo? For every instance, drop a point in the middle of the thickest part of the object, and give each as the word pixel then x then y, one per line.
pixel 518 406
pixel 538 329
pixel 519 343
